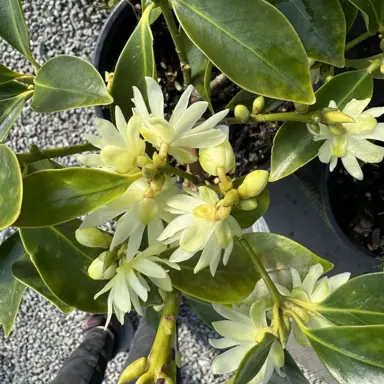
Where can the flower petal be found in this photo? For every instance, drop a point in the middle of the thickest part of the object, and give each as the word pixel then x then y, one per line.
pixel 100 216
pixel 196 235
pixel 183 203
pixel 181 105
pixel 91 160
pixel 375 112
pixel 299 335
pixel 210 252
pixel 108 132
pixel 228 252
pixel 310 280
pixel 365 150
pixel 180 255
pixel 189 118
pixel 165 283
pixel 296 279
pixel 135 284
pixel 134 241
pixel 136 303
pixel 235 331
pixel 106 288
pixel 155 97
pixel 235 226
pixel 149 268
pixel 140 106
pixel 208 195
pixel 201 140
pixel 120 292
pixel 176 225
pixel 155 229
pixel 233 314
pixel 131 135
pixel 258 314
pixel 230 360
pixel 338 280
pixel 223 343
pixel 121 123
pixel 211 122
pixel 183 156
pixel 321 290
pixel 333 163
pixel 352 166
pixel 356 107
pixel 126 225
pixel 215 263
pixel 377 134
pixel 325 152
pixel 223 233
pixel 97 141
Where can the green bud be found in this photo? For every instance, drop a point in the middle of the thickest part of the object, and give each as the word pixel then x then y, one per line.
pixel 133 371
pixel 231 198
pixel 253 184
pixel 335 117
pixel 157 183
pixel 149 171
pixel 248 204
pixel 258 105
pixel 109 259
pixel 93 238
pixel 301 108
pixel 95 270
pixel 220 156
pixel 314 127
pixel 242 112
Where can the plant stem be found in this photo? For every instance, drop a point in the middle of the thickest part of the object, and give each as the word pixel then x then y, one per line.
pixel 276 297
pixel 357 41
pixel 282 116
pixel 170 20
pixel 168 170
pixel 28 157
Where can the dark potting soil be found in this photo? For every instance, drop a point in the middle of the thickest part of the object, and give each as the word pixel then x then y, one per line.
pixel 358 206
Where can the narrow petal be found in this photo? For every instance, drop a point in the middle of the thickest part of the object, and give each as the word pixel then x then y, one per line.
pixel 365 150
pixel 136 303
pixel 258 314
pixel 201 140
pixel 211 122
pixel 325 152
pixel 356 107
pixel 223 233
pixel 176 225
pixel 106 288
pixel 299 335
pixel 120 292
pixel 134 241
pixel 223 343
pixel 183 156
pixel 97 141
pixel 127 201
pixel 121 123
pixel 208 195
pixel 215 263
pixel 165 283
pixel 352 166
pixel 180 255
pixel 155 229
pixel 109 133
pixel 210 252
pixel 181 105
pixel 140 106
pixel 296 279
pixel 196 235
pixel 110 311
pixel 131 135
pixel 338 280
pixel 333 163
pixel 155 97
pixel 166 262
pixel 91 160
pixel 126 225
pixel 184 203
pixel 375 112
pixel 189 118
pixel 230 360
pixel 228 252
pixel 321 291
pixel 235 226
pixel 149 268
pixel 235 331
pixel 377 134
pixel 135 284
pixel 310 280
pixel 100 216
pixel 232 314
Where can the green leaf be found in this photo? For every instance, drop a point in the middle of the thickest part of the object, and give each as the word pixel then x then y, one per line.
pixel 254 360
pixel 11 89
pixel 24 271
pixel 353 355
pixel 67 194
pixel 365 63
pixel 63 263
pixel 246 98
pixel 204 310
pixel 373 11
pixel 12 27
pixel 358 302
pixel 66 82
pixel 238 40
pixel 7 75
pixel 247 218
pixel 11 187
pixel 293 145
pixel 320 26
pixel 10 110
pixel 231 284
pixel 350 12
pixel 293 374
pixel 136 61
pixel 11 290
pixel 40 165
pixel 201 68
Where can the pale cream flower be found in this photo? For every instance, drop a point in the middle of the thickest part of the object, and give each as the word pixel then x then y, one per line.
pixel 197 228
pixel 350 141
pixel 178 132
pixel 241 332
pixel 129 286
pixel 119 147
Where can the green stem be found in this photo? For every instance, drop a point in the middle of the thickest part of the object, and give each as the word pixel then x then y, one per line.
pixel 276 297
pixel 168 170
pixel 282 116
pixel 172 27
pixel 357 41
pixel 26 158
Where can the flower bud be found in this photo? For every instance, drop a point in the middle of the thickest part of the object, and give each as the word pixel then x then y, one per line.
pixel 157 183
pixel 222 213
pixel 231 198
pixel 221 156
pixel 242 112
pixel 149 171
pixel 93 238
pixel 314 127
pixel 133 370
pixel 334 117
pixel 248 204
pixel 253 184
pixel 95 270
pixel 258 105
pixel 316 117
pixel 142 161
pixel 301 108
pixel 148 210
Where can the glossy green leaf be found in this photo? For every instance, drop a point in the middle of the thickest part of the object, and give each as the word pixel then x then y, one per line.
pixel 350 12
pixel 365 63
pixel 11 187
pixel 63 263
pixel 238 40
pixel 24 271
pixel 67 194
pixel 136 61
pixel 12 27
pixel 353 355
pixel 201 68
pixel 11 290
pixel 247 218
pixel 40 165
pixel 67 82
pixel 231 284
pixel 320 26
pixel 253 360
pixel 10 110
pixel 358 302
pixel 293 145
pixel 7 75
pixel 204 310
pixel 373 11
pixel 246 98
pixel 293 374
pixel 11 89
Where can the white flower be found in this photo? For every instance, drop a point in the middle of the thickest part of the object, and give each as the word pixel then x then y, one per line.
pixel 178 132
pixel 138 212
pixel 119 147
pixel 129 284
pixel 349 141
pixel 241 332
pixel 198 228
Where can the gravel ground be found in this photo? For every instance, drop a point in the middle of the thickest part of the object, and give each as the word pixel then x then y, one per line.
pixel 43 337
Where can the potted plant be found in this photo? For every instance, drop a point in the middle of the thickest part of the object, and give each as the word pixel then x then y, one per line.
pixel 172 241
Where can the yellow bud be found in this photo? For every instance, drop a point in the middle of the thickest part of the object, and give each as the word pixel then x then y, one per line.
pixel 149 171
pixel 258 105
pixel 301 108
pixel 334 117
pixel 231 198
pixel 221 156
pixel 95 270
pixel 148 210
pixel 93 237
pixel 248 204
pixel 133 371
pixel 242 112
pixel 253 184
pixel 226 186
pixel 205 212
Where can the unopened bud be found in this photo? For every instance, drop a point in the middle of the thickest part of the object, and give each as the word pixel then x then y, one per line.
pixel 142 161
pixel 248 204
pixel 133 371
pixel 157 183
pixel 148 210
pixel 95 270
pixel 222 213
pixel 242 112
pixel 301 108
pixel 314 127
pixel 226 186
pixel 316 117
pixel 258 105
pixel 220 156
pixel 93 238
pixel 231 198
pixel 335 117
pixel 205 212
pixel 149 171
pixel 253 184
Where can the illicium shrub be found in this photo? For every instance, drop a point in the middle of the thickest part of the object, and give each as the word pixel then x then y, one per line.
pixel 166 180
